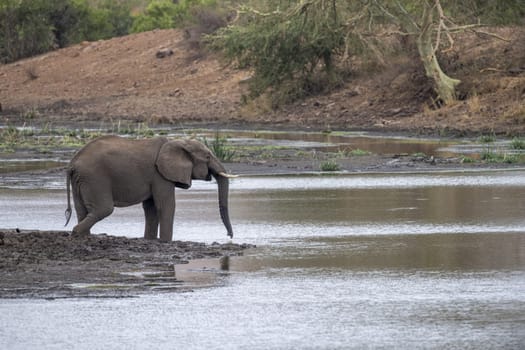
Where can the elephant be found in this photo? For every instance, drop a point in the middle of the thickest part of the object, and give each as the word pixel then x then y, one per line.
pixel 112 171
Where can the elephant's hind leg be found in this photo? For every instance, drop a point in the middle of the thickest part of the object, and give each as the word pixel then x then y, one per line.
pixel 80 208
pixel 93 209
pixel 84 226
pixel 152 219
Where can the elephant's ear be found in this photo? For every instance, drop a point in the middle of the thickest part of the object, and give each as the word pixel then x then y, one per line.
pixel 174 163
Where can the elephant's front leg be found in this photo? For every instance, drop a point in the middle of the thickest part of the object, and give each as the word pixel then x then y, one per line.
pixel 166 211
pixel 152 219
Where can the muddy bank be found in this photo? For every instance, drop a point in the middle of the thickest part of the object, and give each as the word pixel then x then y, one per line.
pixel 395 163
pixel 53 264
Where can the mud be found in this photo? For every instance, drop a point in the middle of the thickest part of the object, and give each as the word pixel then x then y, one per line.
pixel 53 264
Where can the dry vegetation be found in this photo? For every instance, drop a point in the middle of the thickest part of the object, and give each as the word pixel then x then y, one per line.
pixel 122 78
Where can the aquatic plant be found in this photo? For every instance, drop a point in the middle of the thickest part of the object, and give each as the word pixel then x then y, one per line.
pixel 359 152
pixel 487 138
pixel 490 156
pixel 467 159
pixel 219 146
pixel 517 143
pixel 330 165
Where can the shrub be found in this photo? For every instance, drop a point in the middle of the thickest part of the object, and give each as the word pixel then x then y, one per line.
pixel 291 51
pixel 165 14
pixel 31 27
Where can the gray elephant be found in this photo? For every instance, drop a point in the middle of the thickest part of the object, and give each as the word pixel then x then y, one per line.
pixel 112 171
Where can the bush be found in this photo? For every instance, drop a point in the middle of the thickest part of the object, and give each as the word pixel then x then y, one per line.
pixel 291 51
pixel 165 14
pixel 31 27
pixel 24 32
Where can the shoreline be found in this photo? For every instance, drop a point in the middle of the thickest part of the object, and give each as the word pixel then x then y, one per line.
pixel 53 264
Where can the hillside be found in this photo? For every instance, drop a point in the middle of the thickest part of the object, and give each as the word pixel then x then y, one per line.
pixel 122 78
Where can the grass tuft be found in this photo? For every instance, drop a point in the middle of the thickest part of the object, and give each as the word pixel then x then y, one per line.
pixel 219 146
pixel 517 143
pixel 330 165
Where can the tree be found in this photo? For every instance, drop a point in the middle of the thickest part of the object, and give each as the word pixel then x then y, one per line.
pixel 30 27
pixel 287 46
pixel 428 21
pixel 24 30
pixel 165 14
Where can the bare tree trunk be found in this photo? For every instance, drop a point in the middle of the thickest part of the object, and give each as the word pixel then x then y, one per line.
pixel 444 85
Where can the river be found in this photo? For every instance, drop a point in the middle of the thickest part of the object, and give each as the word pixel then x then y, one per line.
pixel 434 260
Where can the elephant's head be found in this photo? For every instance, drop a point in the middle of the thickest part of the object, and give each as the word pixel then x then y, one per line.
pixel 182 161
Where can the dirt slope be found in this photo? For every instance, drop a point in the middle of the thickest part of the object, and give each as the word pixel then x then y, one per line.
pixel 122 78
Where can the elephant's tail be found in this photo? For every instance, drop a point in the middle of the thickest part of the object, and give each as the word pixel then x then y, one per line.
pixel 68 188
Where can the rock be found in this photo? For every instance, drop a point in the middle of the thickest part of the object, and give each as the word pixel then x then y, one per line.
pixel 164 53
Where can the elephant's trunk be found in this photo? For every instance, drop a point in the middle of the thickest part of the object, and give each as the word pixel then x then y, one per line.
pixel 223 184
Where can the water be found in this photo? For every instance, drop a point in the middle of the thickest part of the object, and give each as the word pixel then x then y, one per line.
pixel 348 261
pixel 17 165
pixel 344 142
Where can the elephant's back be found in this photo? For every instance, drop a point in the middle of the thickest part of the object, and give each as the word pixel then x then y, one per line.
pixel 112 145
pixel 117 153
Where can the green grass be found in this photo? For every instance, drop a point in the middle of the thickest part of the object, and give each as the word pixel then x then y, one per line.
pixel 467 159
pixel 42 140
pixel 498 157
pixel 359 152
pixel 127 128
pixel 488 138
pixel 330 165
pixel 517 143
pixel 219 146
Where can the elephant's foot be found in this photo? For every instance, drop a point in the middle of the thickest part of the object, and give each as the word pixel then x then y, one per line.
pixel 150 235
pixel 79 234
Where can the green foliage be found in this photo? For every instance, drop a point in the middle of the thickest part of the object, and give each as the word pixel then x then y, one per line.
pixel 219 146
pixel 489 138
pixel 128 128
pixel 467 160
pixel 31 27
pixel 165 14
pixel 49 137
pixel 105 20
pixel 330 165
pixel 291 50
pixel 359 152
pixel 517 143
pixel 22 30
pixel 495 12
pixel 491 156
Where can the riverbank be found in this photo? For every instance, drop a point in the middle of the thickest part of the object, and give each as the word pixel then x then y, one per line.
pixel 53 264
pixel 123 79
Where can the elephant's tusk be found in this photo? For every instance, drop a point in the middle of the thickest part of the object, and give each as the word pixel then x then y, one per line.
pixel 229 176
